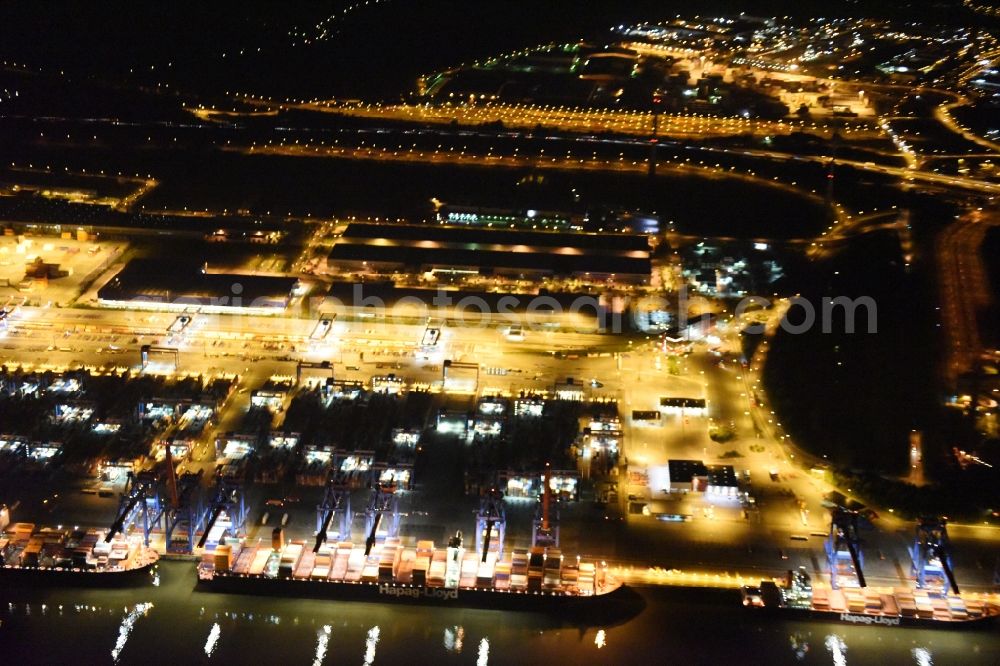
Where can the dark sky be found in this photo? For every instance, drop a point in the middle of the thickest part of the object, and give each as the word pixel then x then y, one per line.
pixel 375 49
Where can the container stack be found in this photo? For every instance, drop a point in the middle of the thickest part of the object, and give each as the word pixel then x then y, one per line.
pixel 223 558
pixel 290 557
pixel 486 571
pixel 388 562
pixel 22 532
pixel 906 602
pixel 873 601
pixel 588 577
pixel 552 570
pixel 355 566
pixel 244 560
pixel 260 561
pixel 369 574
pixel 83 553
pixel 571 576
pixel 519 570
pixel 340 561
pixel 321 564
pixel 31 553
pixel 404 574
pixel 435 575
pixel 305 566
pixel 957 608
pixel 925 608
pixel 470 567
pixel 536 568
pixel 889 605
pixel 975 608
pixel 422 563
pixel 502 576
pixel 940 606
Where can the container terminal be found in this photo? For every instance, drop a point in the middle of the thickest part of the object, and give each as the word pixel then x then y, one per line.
pixel 935 602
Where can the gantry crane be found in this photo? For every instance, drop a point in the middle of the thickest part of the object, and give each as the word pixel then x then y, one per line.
pixel 843 546
pixel 184 512
pixel 382 512
pixel 931 553
pixel 140 503
pixel 227 498
pixel 336 502
pixel 186 515
pixel 491 525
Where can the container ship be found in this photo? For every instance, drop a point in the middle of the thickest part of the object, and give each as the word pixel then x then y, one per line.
pixel 796 598
pixel 53 556
pixel 538 578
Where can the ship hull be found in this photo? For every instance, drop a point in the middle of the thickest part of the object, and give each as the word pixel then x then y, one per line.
pixel 48 577
pixel 404 594
pixel 864 619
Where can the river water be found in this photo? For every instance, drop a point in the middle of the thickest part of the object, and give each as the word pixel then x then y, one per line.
pixel 173 623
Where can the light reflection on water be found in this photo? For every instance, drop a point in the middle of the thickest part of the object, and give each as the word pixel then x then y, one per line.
pixel 837 648
pixel 213 639
pixel 370 644
pixel 453 639
pixel 484 653
pixel 322 640
pixel 141 626
pixel 125 630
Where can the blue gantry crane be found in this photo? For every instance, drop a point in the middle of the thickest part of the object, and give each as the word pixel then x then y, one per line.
pixel 843 546
pixel 226 499
pixel 382 513
pixel 491 524
pixel 186 514
pixel 931 553
pixel 140 504
pixel 336 503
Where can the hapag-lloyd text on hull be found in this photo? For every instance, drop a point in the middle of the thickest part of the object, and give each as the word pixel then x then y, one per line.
pixel 869 619
pixel 418 592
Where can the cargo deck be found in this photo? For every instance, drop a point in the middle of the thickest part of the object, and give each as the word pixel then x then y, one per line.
pixel 900 606
pixel 33 553
pixel 419 572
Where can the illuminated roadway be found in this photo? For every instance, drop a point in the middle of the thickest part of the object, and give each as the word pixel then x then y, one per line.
pixel 965 288
pixel 906 174
pixel 568 119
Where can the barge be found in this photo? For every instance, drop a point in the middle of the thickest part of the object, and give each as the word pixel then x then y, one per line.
pixel 55 556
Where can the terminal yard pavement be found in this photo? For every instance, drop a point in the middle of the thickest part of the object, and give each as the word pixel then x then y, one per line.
pixel 637 376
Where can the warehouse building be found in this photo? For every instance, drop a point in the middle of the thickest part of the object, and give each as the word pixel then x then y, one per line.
pixel 519 254
pixel 162 285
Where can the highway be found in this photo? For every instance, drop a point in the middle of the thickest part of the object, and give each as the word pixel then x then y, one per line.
pixel 593 163
pixel 577 119
pixel 965 288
